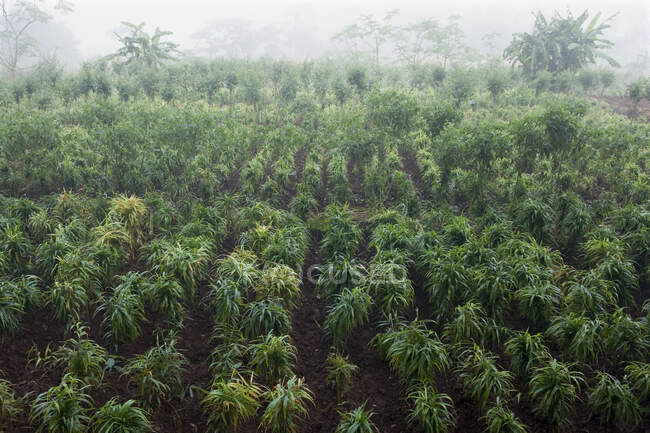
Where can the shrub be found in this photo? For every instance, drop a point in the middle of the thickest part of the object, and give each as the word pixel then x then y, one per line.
pixel 123 311
pixel 500 419
pixel 526 351
pixel 10 406
pixel 265 317
pixel 481 377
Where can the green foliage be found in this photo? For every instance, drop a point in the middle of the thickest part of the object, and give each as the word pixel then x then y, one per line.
pixel 166 296
pixel 481 377
pixel 114 417
pixel 500 419
pixel 554 386
pixel 231 402
pixel 273 357
pixel 614 402
pixel 433 412
pixel 288 402
pixel 69 300
pixel 157 373
pixel 10 406
pixel 526 352
pixel 339 373
pixel 559 44
pixel 348 311
pixel 358 420
pixel 265 317
pixel 123 311
pixel 413 351
pixel 62 408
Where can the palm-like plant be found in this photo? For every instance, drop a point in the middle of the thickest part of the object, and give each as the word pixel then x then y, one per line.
pixel 231 402
pixel 555 386
pixel 273 357
pixel 69 300
pixel 358 420
pixel 482 378
pixel 157 372
pixel 414 351
pixel 349 311
pixel 63 408
pixel 265 317
pixel 536 218
pixel 77 265
pixel 622 275
pixel 139 47
pixel 433 412
pixel 468 325
pixel 339 373
pixel 10 406
pixel 16 246
pixel 288 402
pixel 114 417
pixel 494 286
pixel 526 351
pixel 500 419
pixel 614 402
pixel 239 267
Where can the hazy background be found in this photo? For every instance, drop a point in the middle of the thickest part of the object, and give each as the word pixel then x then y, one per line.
pixel 304 29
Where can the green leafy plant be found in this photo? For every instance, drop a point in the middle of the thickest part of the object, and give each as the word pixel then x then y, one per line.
pixel 69 300
pixel 614 402
pixel 123 312
pixel 340 372
pixel 414 351
pixel 273 357
pixel 288 401
pixel 158 373
pixel 358 420
pixel 279 282
pixel 265 317
pixel 63 408
pixel 231 402
pixel 500 419
pixel 433 412
pixel 482 378
pixel 526 352
pixel 166 296
pixel 10 406
pixel 114 417
pixel 349 311
pixel 555 386
pixel 637 374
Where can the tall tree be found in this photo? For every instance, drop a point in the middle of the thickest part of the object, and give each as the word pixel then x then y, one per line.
pixel 561 44
pixel 429 39
pixel 369 34
pixel 16 42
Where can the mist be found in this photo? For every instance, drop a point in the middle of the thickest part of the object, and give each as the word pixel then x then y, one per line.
pixel 300 30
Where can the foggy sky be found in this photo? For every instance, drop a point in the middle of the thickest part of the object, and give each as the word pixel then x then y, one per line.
pixel 310 24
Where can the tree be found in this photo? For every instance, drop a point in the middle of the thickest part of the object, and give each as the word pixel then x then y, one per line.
pixel 560 44
pixel 428 39
pixel 16 42
pixel 370 32
pixel 139 47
